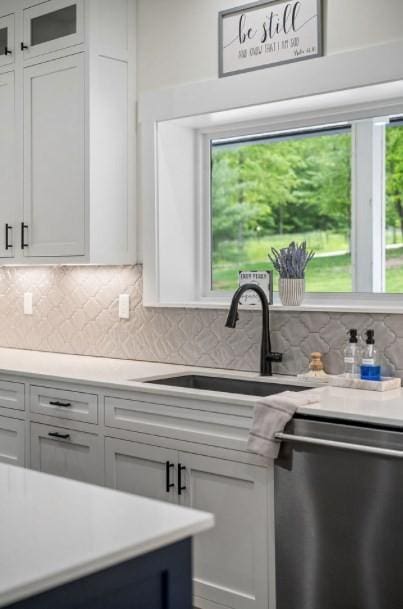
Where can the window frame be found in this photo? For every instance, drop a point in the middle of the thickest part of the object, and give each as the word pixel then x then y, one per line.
pixel 365 164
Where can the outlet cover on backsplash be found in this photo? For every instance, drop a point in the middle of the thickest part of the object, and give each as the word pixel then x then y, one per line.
pixel 27 303
pixel 75 312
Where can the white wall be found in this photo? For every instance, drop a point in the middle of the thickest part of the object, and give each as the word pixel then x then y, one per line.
pixel 177 39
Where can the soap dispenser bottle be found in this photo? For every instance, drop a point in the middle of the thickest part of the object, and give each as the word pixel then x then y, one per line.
pixel 352 356
pixel 370 368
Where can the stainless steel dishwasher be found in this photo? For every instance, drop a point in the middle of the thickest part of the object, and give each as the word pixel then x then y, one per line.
pixel 339 516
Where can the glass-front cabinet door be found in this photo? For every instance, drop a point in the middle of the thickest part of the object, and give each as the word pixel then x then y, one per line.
pixel 52 25
pixel 6 40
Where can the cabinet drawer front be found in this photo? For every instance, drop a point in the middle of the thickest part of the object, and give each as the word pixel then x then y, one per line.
pixel 134 415
pixel 12 395
pixel 68 453
pixel 12 441
pixel 64 404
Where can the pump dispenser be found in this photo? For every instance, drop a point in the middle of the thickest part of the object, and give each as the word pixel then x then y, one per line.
pixel 370 368
pixel 352 356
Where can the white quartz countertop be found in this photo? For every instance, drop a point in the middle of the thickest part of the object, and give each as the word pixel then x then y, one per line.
pixel 383 408
pixel 81 368
pixel 54 530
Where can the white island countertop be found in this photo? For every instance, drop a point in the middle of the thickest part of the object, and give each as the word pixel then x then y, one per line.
pixel 375 407
pixel 54 530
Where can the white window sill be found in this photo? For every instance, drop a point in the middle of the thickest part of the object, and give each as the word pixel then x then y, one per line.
pixel 385 308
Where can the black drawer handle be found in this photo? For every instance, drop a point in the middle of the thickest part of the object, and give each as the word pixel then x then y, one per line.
pixel 23 227
pixel 7 51
pixel 59 436
pixel 168 483
pixel 23 46
pixel 61 404
pixel 181 468
pixel 8 229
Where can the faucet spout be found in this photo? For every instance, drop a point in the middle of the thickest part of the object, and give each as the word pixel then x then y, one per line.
pixel 266 354
pixel 232 314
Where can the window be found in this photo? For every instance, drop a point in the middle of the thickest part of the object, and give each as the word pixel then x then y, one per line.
pixel 394 207
pixel 196 143
pixel 270 189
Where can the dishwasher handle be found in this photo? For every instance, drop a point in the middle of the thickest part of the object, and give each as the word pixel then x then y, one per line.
pixel 361 448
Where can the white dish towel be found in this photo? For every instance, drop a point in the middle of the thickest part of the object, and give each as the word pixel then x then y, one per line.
pixel 271 416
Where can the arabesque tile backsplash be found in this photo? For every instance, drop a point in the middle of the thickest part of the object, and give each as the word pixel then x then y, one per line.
pixel 76 311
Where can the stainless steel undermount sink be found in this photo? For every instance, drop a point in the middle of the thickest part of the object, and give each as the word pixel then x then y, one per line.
pixel 227 385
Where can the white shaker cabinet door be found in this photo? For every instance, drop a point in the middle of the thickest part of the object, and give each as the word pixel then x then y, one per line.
pixel 8 166
pixel 142 469
pixel 67 453
pixel 12 441
pixel 231 560
pixel 54 159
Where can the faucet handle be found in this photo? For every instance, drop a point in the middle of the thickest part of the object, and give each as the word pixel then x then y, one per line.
pixel 275 357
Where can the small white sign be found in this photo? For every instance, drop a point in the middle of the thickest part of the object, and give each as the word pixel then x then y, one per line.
pixel 265 34
pixel 263 279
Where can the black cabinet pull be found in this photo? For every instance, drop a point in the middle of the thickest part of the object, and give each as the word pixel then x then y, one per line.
pixel 8 229
pixel 168 483
pixel 7 51
pixel 23 46
pixel 181 468
pixel 61 404
pixel 23 228
pixel 59 436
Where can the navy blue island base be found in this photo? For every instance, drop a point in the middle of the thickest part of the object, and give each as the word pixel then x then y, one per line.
pixel 161 579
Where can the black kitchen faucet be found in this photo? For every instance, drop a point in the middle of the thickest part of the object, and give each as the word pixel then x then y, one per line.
pixel 267 356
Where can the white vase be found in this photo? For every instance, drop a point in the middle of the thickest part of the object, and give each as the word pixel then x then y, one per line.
pixel 291 291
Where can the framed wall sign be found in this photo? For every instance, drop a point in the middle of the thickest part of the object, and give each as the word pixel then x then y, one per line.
pixel 265 34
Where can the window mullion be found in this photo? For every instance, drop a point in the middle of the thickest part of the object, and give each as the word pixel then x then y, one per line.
pixel 204 196
pixel 368 209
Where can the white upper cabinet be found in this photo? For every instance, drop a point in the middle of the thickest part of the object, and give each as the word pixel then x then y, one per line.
pixel 7 40
pixel 8 164
pixel 67 125
pixel 54 158
pixel 51 26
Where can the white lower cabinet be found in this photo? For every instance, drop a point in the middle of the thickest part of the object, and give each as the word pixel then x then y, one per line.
pixel 66 452
pixel 231 561
pixel 12 441
pixel 141 469
pixel 12 395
